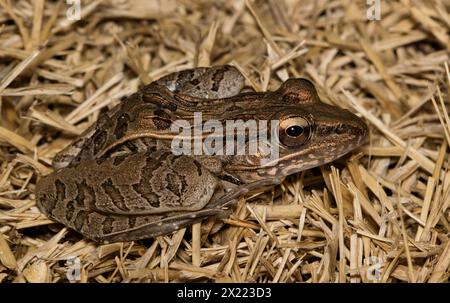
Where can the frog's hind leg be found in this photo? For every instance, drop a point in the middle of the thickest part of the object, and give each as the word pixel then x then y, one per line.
pixel 205 82
pixel 130 197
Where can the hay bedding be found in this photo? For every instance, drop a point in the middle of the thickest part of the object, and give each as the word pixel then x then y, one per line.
pixel 380 214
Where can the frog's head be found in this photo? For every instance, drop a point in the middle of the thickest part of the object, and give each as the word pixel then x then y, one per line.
pixel 310 133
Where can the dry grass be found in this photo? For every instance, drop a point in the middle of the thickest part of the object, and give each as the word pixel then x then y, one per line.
pixel 385 206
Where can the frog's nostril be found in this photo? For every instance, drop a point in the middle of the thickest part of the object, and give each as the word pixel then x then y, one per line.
pixel 339 130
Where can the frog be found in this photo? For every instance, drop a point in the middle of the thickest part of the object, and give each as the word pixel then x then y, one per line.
pixel 122 180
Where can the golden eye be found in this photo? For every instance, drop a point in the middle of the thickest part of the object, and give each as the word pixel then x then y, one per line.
pixel 294 131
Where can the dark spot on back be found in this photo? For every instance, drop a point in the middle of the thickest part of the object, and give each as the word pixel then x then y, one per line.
pixel 173 184
pixel 99 140
pixel 199 168
pixel 161 113
pixel 133 148
pixel 60 190
pixel 194 82
pixel 184 185
pixel 119 159
pixel 186 76
pixel 103 119
pixel 114 195
pixel 122 125
pixel 217 78
pixel 69 210
pixel 147 195
pixel 80 219
pixel 86 195
pixel 161 124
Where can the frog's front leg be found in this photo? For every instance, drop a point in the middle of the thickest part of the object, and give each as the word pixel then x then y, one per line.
pixel 130 197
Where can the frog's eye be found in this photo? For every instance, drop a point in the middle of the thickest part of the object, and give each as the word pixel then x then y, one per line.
pixel 294 131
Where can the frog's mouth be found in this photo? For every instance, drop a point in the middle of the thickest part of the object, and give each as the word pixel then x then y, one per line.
pixel 307 158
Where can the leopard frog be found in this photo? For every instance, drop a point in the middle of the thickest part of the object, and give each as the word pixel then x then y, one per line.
pixel 121 181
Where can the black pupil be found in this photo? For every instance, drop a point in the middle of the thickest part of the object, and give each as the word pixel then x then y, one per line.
pixel 294 131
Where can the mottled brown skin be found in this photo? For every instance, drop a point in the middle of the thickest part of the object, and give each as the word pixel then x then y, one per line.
pixel 120 182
